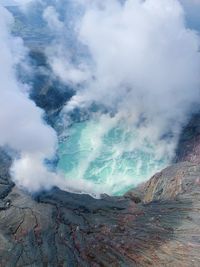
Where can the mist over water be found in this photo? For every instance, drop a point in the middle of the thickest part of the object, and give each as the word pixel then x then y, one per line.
pixel 138 69
pixel 110 154
pixel 136 61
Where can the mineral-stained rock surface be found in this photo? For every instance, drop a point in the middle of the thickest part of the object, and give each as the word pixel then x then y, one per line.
pixel 189 144
pixel 157 224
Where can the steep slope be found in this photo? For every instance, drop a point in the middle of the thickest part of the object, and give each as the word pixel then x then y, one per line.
pixel 189 143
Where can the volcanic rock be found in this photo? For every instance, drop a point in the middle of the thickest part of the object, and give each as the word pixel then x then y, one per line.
pixel 188 148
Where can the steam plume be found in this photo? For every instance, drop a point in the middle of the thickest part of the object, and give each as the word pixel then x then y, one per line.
pixel 140 61
pixel 22 127
pixel 144 61
pixel 136 58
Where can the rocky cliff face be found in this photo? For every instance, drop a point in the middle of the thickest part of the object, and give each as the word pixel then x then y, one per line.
pixel 157 224
pixel 189 144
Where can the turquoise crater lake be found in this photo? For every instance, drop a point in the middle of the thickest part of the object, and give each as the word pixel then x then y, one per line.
pixel 106 155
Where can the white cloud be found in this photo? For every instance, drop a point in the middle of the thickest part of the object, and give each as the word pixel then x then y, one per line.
pixel 14 2
pixel 142 63
pixel 144 60
pixel 21 123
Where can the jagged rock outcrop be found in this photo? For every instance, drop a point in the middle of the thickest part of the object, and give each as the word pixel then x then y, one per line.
pixel 157 224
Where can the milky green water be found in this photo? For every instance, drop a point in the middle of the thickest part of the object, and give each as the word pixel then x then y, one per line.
pixel 107 156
